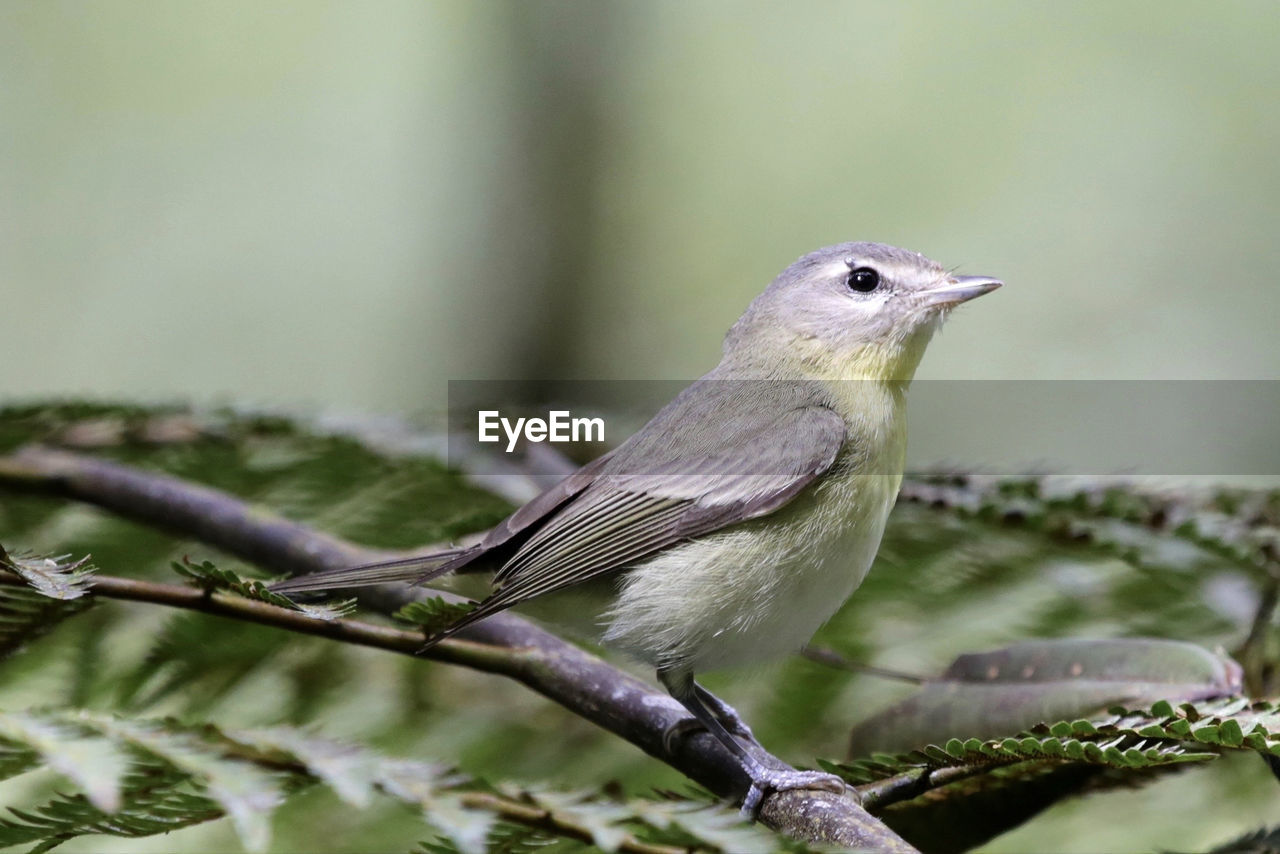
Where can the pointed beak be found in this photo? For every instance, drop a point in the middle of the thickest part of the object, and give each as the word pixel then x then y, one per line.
pixel 961 289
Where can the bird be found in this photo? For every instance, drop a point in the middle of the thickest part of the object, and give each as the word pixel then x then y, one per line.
pixel 736 522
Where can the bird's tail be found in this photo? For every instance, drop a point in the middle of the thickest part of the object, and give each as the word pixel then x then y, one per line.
pixel 410 570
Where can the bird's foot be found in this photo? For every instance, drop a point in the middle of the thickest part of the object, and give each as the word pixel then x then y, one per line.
pixel 766 781
pixel 673 734
pixel 729 716
pixel 724 713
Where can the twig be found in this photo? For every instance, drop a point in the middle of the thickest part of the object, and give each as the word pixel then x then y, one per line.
pixel 911 784
pixel 504 644
pixel 830 658
pixel 478 656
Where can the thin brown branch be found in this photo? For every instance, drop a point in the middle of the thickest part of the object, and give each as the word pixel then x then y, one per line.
pixel 478 656
pixel 911 784
pixel 503 644
pixel 830 658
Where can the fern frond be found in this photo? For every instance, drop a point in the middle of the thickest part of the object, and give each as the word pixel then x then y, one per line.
pixel 157 799
pixel 57 591
pixel 977 788
pixel 1238 525
pixel 95 765
pixel 182 775
pixel 434 614
pixel 1122 740
pixel 210 577
pixel 247 794
pixel 50 577
pixel 186 658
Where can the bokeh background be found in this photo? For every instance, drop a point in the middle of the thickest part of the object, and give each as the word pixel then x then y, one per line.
pixel 345 205
pixel 340 207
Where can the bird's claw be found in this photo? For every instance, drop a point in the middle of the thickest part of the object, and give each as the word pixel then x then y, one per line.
pixel 784 781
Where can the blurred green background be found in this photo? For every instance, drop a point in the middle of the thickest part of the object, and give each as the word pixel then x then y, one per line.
pixel 344 205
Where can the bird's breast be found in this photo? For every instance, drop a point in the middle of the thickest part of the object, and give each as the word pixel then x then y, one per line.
pixel 759 589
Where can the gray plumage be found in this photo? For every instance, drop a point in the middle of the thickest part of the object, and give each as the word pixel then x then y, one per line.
pixel 742 515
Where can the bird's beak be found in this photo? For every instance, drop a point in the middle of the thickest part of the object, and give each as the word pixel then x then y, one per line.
pixel 960 289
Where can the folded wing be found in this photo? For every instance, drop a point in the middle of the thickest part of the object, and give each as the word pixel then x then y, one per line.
pixel 638 505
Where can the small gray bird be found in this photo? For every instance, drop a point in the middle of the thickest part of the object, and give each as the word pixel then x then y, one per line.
pixel 738 520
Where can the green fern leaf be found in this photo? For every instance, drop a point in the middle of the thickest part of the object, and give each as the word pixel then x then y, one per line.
pixel 201 666
pixel 353 772
pixel 93 764
pixel 156 799
pixel 55 592
pixel 26 615
pixel 50 577
pixel 247 794
pixel 434 614
pixel 211 577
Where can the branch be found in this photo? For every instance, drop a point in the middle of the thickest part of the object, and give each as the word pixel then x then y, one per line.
pixel 830 658
pixel 912 784
pixel 466 653
pixel 504 643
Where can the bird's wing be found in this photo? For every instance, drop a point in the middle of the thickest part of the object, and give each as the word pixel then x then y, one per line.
pixel 419 569
pixel 397 570
pixel 547 503
pixel 627 513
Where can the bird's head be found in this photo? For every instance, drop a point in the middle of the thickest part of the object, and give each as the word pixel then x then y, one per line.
pixel 851 311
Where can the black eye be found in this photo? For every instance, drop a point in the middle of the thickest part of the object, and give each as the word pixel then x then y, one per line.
pixel 864 279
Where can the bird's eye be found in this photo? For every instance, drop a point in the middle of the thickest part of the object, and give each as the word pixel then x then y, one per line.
pixel 864 280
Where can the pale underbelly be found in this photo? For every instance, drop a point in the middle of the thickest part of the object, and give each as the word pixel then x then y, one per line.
pixel 754 592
